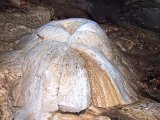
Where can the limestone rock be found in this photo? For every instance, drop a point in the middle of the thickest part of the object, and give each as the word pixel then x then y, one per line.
pixel 16 2
pixel 142 110
pixel 67 65
pixel 15 24
pixel 144 12
pixel 85 116
pixel 146 110
pixel 68 8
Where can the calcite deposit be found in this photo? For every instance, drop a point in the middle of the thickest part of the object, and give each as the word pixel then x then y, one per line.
pixel 67 65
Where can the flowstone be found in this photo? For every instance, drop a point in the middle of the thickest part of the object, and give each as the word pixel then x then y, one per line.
pixel 67 65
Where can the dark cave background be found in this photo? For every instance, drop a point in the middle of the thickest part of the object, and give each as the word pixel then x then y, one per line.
pixel 133 25
pixel 145 13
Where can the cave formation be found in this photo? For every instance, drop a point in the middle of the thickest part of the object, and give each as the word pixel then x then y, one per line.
pixel 57 63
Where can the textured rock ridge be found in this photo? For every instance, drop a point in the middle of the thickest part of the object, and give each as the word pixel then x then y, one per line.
pixel 67 65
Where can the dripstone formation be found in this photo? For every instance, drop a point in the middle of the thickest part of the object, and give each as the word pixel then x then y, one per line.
pixel 66 65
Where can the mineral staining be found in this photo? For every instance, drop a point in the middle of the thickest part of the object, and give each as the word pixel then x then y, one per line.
pixel 66 65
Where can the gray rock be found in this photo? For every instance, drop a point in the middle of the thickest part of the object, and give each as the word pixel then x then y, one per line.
pixel 145 13
pixel 143 110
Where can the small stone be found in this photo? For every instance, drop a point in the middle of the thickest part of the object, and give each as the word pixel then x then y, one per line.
pixel 2 76
pixel 6 71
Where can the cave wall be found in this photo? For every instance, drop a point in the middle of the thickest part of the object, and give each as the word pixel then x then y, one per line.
pixel 145 13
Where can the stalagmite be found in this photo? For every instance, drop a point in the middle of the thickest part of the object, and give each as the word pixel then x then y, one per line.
pixel 67 65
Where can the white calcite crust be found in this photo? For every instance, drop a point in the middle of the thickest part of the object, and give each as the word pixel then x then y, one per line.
pixel 67 65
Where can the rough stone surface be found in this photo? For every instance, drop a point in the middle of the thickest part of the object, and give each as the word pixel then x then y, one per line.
pixel 144 12
pixel 142 48
pixel 66 65
pixel 16 2
pixel 67 8
pixel 144 110
pixel 14 24
pixel 84 116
